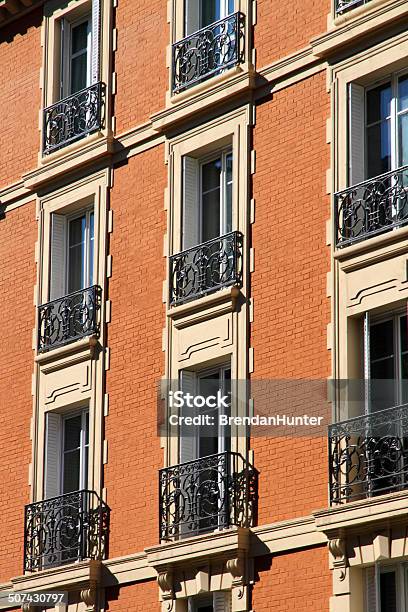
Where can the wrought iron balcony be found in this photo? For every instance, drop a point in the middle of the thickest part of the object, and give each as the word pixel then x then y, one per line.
pixel 69 318
pixel 206 268
pixel 214 492
pixel 209 51
pixel 342 6
pixel 372 207
pixel 65 529
pixel 73 117
pixel 368 455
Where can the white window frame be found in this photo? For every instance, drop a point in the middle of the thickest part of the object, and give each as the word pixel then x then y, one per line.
pixel 223 154
pixel 66 56
pixel 83 467
pixel 89 274
pixel 221 370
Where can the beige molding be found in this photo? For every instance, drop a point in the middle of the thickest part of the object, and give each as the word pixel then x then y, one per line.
pixel 358 24
pixel 362 513
pixel 70 576
pixel 197 308
pixel 286 535
pixel 354 255
pixel 85 346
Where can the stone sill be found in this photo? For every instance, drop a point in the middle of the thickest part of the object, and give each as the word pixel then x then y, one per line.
pixel 229 295
pixel 86 345
pixel 74 575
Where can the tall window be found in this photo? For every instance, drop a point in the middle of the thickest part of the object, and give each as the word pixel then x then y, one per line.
pixel 219 601
pixel 76 51
pixel 207 198
pixel 202 13
pixel 386 588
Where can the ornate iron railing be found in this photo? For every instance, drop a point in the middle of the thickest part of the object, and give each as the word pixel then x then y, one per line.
pixel 69 318
pixel 65 529
pixel 368 455
pixel 371 207
pixel 209 51
pixel 206 268
pixel 214 492
pixel 343 6
pixel 73 117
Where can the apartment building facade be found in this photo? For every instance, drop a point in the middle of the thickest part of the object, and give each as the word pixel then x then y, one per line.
pixel 200 194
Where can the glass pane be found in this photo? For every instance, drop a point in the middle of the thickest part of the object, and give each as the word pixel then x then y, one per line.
pixel 210 222
pixel 228 195
pixel 209 12
pixel 79 37
pixel 388 592
pixel 87 428
pixel 79 70
pixel 382 340
pixel 403 93
pixel 76 254
pixel 91 249
pixel 403 140
pixel 378 103
pixel 378 149
pixel 72 433
pixel 404 333
pixel 71 471
pixel 211 173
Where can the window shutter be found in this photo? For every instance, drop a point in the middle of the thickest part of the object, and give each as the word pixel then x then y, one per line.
pixel 58 256
pixel 356 133
pixel 53 455
pixel 371 589
pixel 187 440
pixel 96 41
pixel 190 202
pixel 192 16
pixel 222 601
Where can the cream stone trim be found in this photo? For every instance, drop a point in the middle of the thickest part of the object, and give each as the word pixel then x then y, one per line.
pixel 197 308
pixel 358 23
pixel 57 363
pixel 72 576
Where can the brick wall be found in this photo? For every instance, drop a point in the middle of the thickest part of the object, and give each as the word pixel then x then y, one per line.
pixel 297 581
pixel 289 284
pixel 16 367
pixel 140 597
pixel 20 97
pixel 140 61
pixel 137 360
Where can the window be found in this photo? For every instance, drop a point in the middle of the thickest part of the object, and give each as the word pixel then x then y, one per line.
pixel 378 128
pixel 67 453
pixel 213 438
pixel 72 253
pixel 202 13
pixel 207 201
pixel 76 52
pixel 218 601
pixel 385 588
pixel 387 359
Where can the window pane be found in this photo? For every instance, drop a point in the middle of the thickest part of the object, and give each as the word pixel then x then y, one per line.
pixel 209 12
pixel 403 140
pixel 378 149
pixel 76 254
pixel 211 173
pixel 91 249
pixel 403 332
pixel 71 471
pixel 378 103
pixel 403 93
pixel 388 592
pixel 79 37
pixel 78 73
pixel 72 433
pixel 228 203
pixel 382 340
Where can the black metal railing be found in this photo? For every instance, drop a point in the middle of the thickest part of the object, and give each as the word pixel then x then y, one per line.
pixel 73 117
pixel 65 529
pixel 206 268
pixel 372 207
pixel 368 455
pixel 342 6
pixel 214 492
pixel 69 318
pixel 209 51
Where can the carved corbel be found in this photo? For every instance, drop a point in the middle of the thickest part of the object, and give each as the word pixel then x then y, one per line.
pixel 165 582
pixel 88 596
pixel 337 548
pixel 236 568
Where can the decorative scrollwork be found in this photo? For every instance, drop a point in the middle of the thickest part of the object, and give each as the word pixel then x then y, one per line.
pixel 205 494
pixel 73 118
pixel 69 318
pixel 346 5
pixel 209 51
pixel 206 268
pixel 372 207
pixel 65 529
pixel 369 455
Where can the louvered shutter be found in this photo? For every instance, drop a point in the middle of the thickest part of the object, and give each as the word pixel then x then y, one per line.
pixel 222 601
pixel 371 589
pixel 96 41
pixel 53 455
pixel 190 202
pixel 192 16
pixel 356 99
pixel 188 444
pixel 58 256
